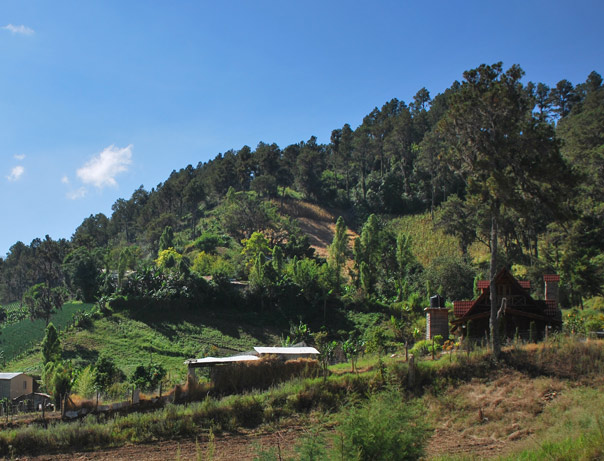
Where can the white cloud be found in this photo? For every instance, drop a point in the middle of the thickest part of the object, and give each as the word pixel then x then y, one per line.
pixel 76 194
pixel 16 173
pixel 20 156
pixel 21 30
pixel 102 169
pixel 65 180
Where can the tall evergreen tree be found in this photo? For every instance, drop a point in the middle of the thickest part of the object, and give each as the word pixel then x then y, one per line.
pixel 505 154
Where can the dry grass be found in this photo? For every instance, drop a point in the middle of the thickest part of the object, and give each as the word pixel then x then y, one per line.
pixel 261 374
pixel 490 417
pixel 303 209
pixel 317 222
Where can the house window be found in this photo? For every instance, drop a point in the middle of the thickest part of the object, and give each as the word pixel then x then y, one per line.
pixel 24 384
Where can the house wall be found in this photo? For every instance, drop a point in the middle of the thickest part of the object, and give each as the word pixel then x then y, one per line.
pixel 16 387
pixel 4 388
pixel 509 326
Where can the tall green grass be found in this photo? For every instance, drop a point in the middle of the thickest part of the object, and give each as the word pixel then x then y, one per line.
pixel 427 241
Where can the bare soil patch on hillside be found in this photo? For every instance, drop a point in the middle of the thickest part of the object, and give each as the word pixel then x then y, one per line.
pixel 242 446
pixel 317 222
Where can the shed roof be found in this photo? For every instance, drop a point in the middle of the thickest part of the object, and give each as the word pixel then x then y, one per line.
pixel 9 375
pixel 218 360
pixel 287 350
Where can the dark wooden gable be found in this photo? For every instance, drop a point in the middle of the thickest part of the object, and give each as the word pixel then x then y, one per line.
pixel 513 299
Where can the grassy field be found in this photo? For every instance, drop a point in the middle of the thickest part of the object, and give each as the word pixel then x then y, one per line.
pixel 134 338
pixel 20 337
pixel 429 242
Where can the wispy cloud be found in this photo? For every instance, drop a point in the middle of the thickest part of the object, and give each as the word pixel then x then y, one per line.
pixel 16 173
pixel 77 194
pixel 102 169
pixel 20 156
pixel 65 180
pixel 21 30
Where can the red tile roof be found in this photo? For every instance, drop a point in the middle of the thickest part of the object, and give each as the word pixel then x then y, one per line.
pixel 551 278
pixel 461 307
pixel 484 284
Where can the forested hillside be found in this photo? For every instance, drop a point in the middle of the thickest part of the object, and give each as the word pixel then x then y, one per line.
pixel 490 153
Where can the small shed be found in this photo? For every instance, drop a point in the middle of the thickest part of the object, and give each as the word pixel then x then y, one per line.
pixel 13 385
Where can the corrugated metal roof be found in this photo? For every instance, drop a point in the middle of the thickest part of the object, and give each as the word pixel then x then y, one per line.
pixel 9 375
pixel 286 350
pixel 217 360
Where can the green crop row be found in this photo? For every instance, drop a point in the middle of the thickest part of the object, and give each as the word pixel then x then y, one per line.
pixel 24 334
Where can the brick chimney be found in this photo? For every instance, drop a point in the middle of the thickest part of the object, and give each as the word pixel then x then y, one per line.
pixel 551 287
pixel 437 318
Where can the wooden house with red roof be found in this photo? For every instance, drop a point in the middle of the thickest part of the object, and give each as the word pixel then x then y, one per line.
pixel 516 306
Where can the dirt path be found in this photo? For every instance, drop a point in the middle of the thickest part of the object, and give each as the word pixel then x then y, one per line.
pixel 242 446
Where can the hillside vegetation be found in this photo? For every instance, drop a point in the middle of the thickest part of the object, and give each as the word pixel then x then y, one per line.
pixel 339 245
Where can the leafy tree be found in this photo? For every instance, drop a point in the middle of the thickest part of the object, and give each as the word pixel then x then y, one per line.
pixel 167 239
pixel 309 164
pixel 59 378
pixel 193 195
pixel 543 100
pixel 82 273
pixel 338 250
pixel 168 259
pixel 105 373
pixel 43 301
pixel 127 260
pixel 306 273
pixel 254 247
pixel 578 247
pixel 376 340
pixel 147 378
pixel 264 185
pixel 352 348
pixel 278 261
pixel 341 141
pixel 326 347
pixel 563 97
pixel 51 345
pixel 405 260
pixel 93 232
pixel 505 154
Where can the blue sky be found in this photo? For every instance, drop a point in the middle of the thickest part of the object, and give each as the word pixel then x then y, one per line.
pixel 98 98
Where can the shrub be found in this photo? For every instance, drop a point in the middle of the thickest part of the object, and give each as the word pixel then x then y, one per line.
pixel 384 428
pixel 423 347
